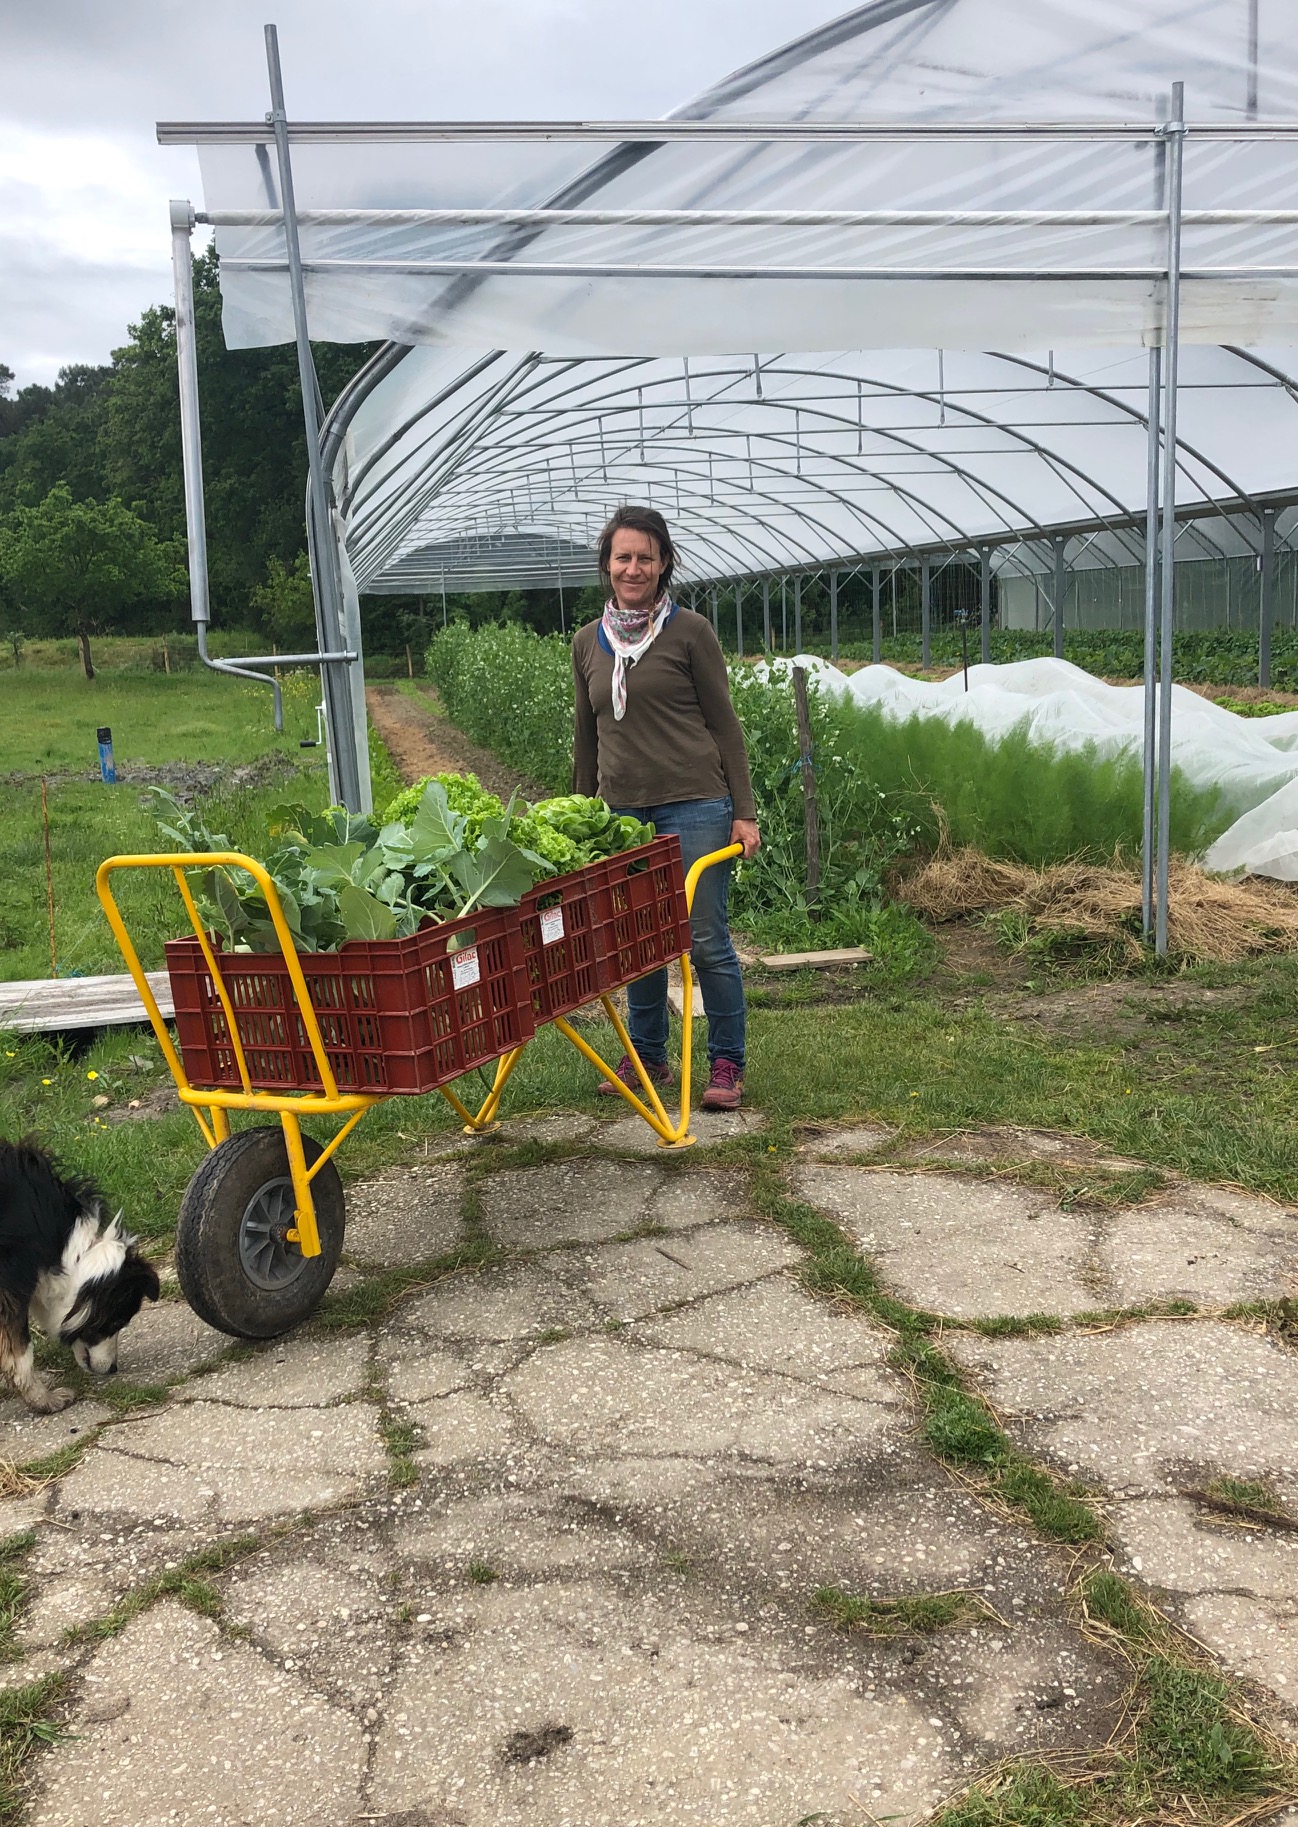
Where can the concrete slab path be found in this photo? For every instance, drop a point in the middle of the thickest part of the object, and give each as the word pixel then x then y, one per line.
pixel 539 1546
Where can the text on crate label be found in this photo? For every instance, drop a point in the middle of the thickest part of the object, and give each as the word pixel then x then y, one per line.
pixel 465 969
pixel 551 925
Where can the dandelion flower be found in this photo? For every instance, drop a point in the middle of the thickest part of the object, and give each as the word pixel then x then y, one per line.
pixel 92 1075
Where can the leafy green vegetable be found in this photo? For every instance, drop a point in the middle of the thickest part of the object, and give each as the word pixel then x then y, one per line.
pixel 441 849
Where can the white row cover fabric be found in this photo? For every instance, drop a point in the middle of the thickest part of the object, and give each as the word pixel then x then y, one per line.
pixel 1054 282
pixel 498 473
pixel 1253 762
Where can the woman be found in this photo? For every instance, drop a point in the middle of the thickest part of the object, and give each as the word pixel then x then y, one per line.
pixel 657 736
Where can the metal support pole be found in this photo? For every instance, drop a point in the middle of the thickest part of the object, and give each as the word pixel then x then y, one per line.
pixel 1266 613
pixel 797 614
pixel 833 615
pixel 1151 642
pixel 713 596
pixel 558 559
pixel 443 598
pixel 985 602
pixel 739 621
pixel 925 610
pixel 784 615
pixel 1175 135
pixel 766 614
pixel 876 610
pixel 1059 587
pixel 348 748
pixel 191 450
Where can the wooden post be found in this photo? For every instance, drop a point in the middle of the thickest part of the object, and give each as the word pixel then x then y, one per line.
pixel 410 665
pixel 166 657
pixel 808 786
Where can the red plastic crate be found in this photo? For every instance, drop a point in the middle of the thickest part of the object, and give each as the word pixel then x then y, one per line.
pixel 556 921
pixel 639 919
pixel 396 1015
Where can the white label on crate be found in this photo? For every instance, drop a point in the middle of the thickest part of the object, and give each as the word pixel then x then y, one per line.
pixel 465 969
pixel 551 925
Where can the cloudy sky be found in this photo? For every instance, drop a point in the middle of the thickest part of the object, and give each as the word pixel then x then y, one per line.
pixel 84 241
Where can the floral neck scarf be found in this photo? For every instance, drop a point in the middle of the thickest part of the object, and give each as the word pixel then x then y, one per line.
pixel 630 633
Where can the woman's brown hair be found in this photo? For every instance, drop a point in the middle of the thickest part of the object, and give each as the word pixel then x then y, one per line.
pixel 640 520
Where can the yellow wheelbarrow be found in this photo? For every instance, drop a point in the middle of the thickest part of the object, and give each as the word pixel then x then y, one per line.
pixel 288 1035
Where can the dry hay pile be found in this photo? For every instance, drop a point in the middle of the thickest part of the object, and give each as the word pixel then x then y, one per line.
pixel 1208 917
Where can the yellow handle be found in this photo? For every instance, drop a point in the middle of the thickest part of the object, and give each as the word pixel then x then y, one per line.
pixel 707 862
pixel 178 863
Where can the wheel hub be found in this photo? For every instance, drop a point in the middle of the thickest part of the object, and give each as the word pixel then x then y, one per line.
pixel 268 1259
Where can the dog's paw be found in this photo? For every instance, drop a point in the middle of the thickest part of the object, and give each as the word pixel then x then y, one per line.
pixel 49 1401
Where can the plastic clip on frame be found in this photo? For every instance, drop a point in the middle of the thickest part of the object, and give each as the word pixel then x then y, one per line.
pixel 291 1104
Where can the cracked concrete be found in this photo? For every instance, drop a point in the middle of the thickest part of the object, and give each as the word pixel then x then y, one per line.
pixel 1026 1254
pixel 635 1461
pixel 405 1217
pixel 585 1201
pixel 1022 1256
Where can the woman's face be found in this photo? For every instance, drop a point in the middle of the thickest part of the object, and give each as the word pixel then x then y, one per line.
pixel 635 564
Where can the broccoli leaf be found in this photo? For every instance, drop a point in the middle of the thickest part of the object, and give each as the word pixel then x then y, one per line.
pixel 497 874
pixel 365 916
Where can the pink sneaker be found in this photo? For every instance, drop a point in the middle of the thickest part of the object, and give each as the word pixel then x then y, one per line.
pixel 660 1076
pixel 725 1088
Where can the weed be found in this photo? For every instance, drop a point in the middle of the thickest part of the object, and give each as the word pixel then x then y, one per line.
pixel 57 1463
pixel 376 1295
pixel 1027 1795
pixel 123 1397
pixel 402 1439
pixel 677 1561
pixel 13 1590
pixel 1007 1326
pixel 25 1724
pixel 1244 1494
pixel 186 1582
pixel 482 1573
pixel 921 1613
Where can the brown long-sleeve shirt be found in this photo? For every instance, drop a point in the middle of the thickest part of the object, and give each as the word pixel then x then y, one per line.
pixel 680 737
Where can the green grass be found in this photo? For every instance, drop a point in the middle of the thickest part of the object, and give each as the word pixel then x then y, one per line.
pixel 187 1582
pixel 13 1589
pixel 482 1573
pixel 26 1723
pixel 922 1613
pixel 401 1439
pixel 1246 1493
pixel 48 719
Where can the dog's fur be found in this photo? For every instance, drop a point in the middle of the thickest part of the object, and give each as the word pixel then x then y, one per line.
pixel 80 1280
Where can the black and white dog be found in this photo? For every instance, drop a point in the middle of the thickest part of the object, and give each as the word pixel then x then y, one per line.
pixel 80 1280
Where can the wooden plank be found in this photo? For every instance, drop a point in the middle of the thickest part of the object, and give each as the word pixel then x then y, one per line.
pixel 816 961
pixel 676 999
pixel 51 1005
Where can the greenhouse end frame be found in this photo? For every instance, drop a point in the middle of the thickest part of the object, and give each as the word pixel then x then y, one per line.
pixel 339 653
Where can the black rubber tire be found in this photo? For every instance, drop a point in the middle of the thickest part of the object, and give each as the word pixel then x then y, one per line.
pixel 210 1262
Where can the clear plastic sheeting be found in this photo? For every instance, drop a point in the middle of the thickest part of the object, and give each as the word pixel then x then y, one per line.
pixel 495 472
pixel 1019 230
pixel 1252 762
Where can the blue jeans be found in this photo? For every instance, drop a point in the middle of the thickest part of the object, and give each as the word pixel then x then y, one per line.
pixel 702 825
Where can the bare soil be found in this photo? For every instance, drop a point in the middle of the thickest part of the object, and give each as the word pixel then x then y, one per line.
pixel 422 740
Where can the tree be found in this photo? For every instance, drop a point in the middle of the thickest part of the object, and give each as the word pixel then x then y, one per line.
pixel 74 566
pixel 286 603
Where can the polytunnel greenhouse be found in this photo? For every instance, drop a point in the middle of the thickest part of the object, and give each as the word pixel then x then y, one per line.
pixel 939 282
